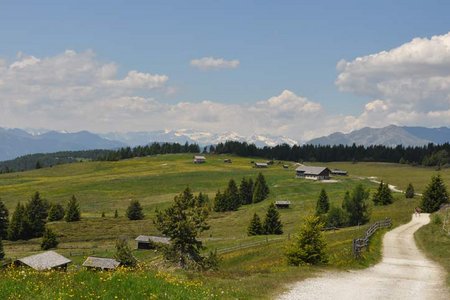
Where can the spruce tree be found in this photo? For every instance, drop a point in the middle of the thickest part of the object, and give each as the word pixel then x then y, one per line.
pixel 323 203
pixel 56 213
pixel 309 245
pixel 123 254
pixel 383 195
pixel 18 228
pixel 231 195
pixel 116 214
pixel 246 191
pixel 37 212
pixel 434 195
pixel 220 204
pixel 73 210
pixel 409 193
pixel 49 240
pixel 2 252
pixel 255 227
pixel 336 217
pixel 272 223
pixel 135 211
pixel 356 206
pixel 4 220
pixel 260 189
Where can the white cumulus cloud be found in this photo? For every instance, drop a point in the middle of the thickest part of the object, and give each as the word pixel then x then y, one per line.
pixel 211 63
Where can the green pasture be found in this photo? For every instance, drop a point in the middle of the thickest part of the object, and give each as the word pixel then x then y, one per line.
pixel 257 263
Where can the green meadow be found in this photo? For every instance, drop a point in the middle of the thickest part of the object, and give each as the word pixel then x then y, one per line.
pixel 257 263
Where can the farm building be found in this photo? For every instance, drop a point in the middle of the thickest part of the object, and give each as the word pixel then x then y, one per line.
pixel 282 204
pixel 198 159
pixel 44 261
pixel 100 263
pixel 339 172
pixel 227 160
pixel 314 173
pixel 149 242
pixel 261 165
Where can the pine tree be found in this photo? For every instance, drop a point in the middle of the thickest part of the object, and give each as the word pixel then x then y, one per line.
pixel 2 252
pixel 434 195
pixel 323 203
pixel 135 211
pixel 272 223
pixel 4 220
pixel 255 227
pixel 336 217
pixel 202 200
pixel 356 206
pixel 116 214
pixel 18 228
pixel 309 245
pixel 383 195
pixel 231 195
pixel 123 254
pixel 73 210
pixel 37 212
pixel 49 240
pixel 220 204
pixel 246 191
pixel 409 193
pixel 56 213
pixel 103 214
pixel 261 189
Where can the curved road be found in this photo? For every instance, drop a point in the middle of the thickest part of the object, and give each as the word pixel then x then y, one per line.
pixel 404 273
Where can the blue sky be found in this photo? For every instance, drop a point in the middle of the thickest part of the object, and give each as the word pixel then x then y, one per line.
pixel 281 46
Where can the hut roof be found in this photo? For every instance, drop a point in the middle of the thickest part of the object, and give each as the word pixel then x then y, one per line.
pixel 100 262
pixel 282 202
pixel 261 164
pixel 154 239
pixel 45 261
pixel 199 157
pixel 311 170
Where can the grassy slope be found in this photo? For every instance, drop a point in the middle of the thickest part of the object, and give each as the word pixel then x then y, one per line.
pixel 106 186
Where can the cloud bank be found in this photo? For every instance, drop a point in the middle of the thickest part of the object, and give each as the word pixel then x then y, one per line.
pixel 211 63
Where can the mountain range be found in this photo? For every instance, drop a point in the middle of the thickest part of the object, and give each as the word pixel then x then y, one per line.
pixel 17 142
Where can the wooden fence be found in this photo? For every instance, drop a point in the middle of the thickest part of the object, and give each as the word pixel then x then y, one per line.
pixel 359 244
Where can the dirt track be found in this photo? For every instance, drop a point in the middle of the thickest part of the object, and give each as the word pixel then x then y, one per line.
pixel 404 273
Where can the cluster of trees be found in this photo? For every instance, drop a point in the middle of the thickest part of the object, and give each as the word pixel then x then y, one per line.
pixel 429 155
pixel 151 149
pixel 182 223
pixel 29 220
pixel 271 225
pixel 248 192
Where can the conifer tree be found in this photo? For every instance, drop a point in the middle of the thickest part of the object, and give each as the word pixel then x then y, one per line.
pixel 356 206
pixel 383 195
pixel 56 213
pixel 18 228
pixel 202 199
pixel 135 211
pixel 4 220
pixel 409 193
pixel 73 210
pixel 116 214
pixel 260 189
pixel 49 240
pixel 309 245
pixel 220 202
pixel 2 252
pixel 37 212
pixel 336 217
pixel 255 227
pixel 246 191
pixel 434 195
pixel 123 253
pixel 231 195
pixel 323 203
pixel 272 223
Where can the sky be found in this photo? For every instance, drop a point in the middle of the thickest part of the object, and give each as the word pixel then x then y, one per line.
pixel 300 69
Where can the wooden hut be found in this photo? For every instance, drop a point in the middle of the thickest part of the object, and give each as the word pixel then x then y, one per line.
pixel 282 204
pixel 314 173
pixel 198 159
pixel 100 263
pixel 44 261
pixel 150 242
pixel 261 165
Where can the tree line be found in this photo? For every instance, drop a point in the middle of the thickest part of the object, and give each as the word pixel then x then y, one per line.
pixel 428 155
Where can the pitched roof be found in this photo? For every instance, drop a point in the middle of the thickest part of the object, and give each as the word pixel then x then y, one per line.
pixel 261 164
pixel 45 261
pixel 100 262
pixel 311 170
pixel 199 157
pixel 154 239
pixel 282 202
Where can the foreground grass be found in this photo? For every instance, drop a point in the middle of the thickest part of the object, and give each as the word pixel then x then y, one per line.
pixel 435 243
pixel 248 271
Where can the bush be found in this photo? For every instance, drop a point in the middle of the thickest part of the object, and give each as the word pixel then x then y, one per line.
pixel 309 245
pixel 436 219
pixel 134 211
pixel 49 240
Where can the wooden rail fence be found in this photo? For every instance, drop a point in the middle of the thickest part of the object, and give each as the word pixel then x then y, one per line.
pixel 359 244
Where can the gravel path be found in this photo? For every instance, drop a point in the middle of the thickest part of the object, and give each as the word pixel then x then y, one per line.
pixel 404 273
